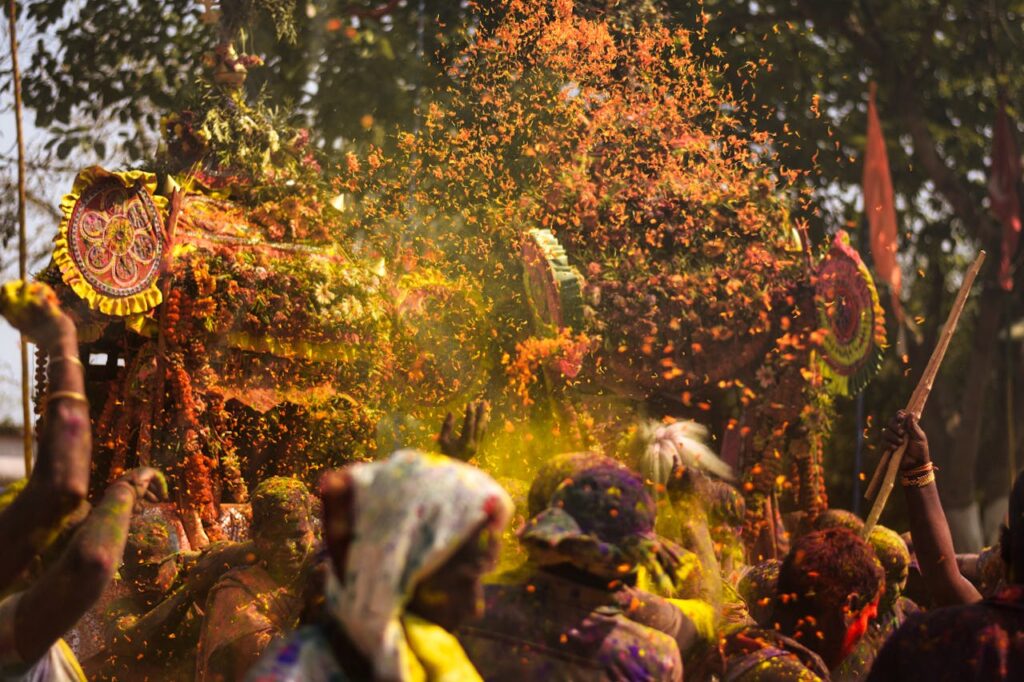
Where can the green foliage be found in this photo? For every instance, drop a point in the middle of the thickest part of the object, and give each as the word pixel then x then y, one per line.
pixel 352 72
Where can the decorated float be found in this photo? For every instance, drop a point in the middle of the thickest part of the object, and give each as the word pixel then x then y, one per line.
pixel 247 313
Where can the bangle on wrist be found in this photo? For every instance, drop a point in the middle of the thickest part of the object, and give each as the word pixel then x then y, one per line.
pixel 919 471
pixel 66 358
pixel 922 481
pixel 920 476
pixel 66 395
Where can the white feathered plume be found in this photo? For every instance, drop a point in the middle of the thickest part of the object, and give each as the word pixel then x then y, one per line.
pixel 681 443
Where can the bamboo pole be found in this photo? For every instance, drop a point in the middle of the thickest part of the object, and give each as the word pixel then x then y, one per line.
pixel 26 400
pixel 890 463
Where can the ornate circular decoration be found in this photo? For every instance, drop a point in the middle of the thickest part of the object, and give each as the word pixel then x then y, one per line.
pixel 553 286
pixel 116 239
pixel 111 242
pixel 850 317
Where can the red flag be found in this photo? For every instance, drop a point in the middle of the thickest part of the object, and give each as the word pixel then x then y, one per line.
pixel 1002 190
pixel 880 207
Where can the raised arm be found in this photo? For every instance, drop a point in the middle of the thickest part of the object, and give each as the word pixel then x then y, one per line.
pixel 60 479
pixel 933 542
pixel 164 618
pixel 70 587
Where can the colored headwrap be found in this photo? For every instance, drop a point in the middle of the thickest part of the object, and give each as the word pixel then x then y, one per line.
pixel 411 513
pixel 602 521
pixel 555 471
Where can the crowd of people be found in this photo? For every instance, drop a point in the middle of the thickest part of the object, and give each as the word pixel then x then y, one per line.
pixel 629 566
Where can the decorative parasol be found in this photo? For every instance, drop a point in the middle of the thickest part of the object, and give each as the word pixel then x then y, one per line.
pixel 553 286
pixel 851 318
pixel 111 241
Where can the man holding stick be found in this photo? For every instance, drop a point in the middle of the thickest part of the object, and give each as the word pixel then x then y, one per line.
pixel 975 639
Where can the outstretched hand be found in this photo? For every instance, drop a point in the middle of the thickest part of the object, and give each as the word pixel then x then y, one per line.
pixel 474 426
pixel 147 483
pixel 905 428
pixel 33 309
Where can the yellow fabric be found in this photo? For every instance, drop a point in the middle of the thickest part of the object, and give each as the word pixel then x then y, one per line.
pixel 145 300
pixel 701 614
pixel 433 654
pixel 71 666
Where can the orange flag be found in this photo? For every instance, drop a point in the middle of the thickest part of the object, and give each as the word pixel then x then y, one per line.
pixel 880 207
pixel 1002 191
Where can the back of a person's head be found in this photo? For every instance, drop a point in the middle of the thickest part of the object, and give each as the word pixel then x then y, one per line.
pixel 554 473
pixel 839 518
pixel 893 554
pixel 609 502
pixel 725 504
pixel 150 537
pixel 1012 538
pixel 826 573
pixel 757 587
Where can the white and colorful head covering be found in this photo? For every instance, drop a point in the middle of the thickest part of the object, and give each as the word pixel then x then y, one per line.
pixel 412 512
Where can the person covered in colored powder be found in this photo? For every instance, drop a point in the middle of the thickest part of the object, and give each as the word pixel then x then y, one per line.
pixel 34 617
pixel 59 481
pixel 30 643
pixel 409 539
pixel 153 630
pixel 827 592
pixel 976 639
pixel 893 608
pixel 252 605
pixel 574 613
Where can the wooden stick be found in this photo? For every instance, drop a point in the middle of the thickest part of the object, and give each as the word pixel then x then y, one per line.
pixel 919 397
pixel 876 478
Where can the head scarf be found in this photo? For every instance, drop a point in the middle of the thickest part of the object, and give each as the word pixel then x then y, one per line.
pixel 411 513
pixel 601 520
pixel 555 471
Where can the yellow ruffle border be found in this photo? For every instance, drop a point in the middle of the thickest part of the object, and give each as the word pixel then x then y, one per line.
pixel 120 307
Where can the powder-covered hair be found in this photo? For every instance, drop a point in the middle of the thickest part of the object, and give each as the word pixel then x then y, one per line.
pixel 825 573
pixel 279 499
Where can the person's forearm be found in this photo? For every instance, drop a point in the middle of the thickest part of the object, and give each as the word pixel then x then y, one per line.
pixel 933 545
pixel 71 587
pixel 704 546
pixel 60 479
pixel 65 439
pixel 155 625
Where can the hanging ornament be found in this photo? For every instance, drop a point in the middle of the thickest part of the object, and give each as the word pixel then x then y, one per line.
pixel 111 240
pixel 553 286
pixel 851 318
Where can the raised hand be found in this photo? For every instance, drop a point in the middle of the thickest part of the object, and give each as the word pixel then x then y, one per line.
pixel 904 427
pixel 147 483
pixel 33 309
pixel 474 426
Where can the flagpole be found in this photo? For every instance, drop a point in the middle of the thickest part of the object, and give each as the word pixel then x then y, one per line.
pixel 26 401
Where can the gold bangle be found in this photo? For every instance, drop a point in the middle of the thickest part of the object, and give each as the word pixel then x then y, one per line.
pixel 67 358
pixel 919 471
pixel 919 482
pixel 70 395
